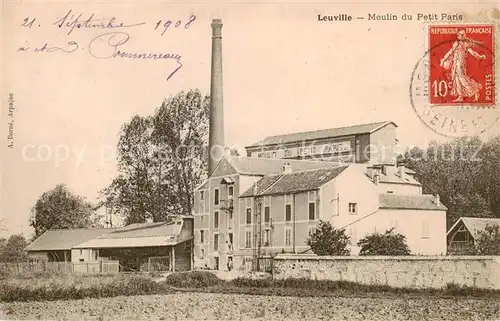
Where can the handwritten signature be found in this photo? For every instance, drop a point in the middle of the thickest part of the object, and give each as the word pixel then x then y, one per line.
pixel 72 21
pixel 109 45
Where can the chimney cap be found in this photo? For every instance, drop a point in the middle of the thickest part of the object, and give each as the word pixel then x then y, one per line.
pixel 216 23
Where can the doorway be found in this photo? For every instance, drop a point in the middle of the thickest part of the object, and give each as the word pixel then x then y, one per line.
pixel 216 263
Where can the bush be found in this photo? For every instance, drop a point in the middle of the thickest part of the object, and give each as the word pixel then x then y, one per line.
pixel 194 279
pixel 326 240
pixel 80 287
pixel 389 243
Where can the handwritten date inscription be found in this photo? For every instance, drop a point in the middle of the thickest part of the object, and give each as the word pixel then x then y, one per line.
pixel 109 44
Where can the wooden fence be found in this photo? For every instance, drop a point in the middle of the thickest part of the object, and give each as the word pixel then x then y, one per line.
pixel 27 268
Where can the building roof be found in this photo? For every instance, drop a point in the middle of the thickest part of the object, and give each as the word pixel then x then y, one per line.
pixel 321 134
pixel 265 166
pixel 294 182
pixel 138 235
pixel 476 224
pixel 65 239
pixel 410 202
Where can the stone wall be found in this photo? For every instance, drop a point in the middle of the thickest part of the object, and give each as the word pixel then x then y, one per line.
pixel 407 271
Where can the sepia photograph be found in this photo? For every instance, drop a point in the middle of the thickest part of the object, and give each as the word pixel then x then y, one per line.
pixel 249 160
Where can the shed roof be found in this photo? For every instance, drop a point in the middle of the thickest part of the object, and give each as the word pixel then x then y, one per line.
pixel 413 202
pixel 138 235
pixel 293 182
pixel 323 133
pixel 65 239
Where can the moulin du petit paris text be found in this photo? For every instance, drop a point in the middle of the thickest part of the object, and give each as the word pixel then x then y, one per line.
pixel 344 17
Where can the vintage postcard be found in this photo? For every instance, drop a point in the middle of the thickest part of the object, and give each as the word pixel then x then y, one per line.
pixel 211 160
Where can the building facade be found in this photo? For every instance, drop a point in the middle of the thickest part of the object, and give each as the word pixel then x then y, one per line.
pixel 243 215
pixel 375 143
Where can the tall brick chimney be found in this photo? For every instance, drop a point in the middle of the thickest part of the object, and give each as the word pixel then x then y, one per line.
pixel 216 135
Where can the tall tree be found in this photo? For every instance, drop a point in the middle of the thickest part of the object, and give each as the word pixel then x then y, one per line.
pixel 60 208
pixel 13 250
pixel 161 159
pixel 462 172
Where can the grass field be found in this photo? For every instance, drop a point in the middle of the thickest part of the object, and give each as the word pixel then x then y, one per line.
pixel 212 306
pixel 203 296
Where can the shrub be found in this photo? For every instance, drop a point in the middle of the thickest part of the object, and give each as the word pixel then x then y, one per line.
pixel 80 287
pixel 326 240
pixel 389 243
pixel 488 241
pixel 194 279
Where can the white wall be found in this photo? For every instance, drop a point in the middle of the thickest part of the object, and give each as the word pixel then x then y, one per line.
pixel 351 186
pixel 86 254
pixel 402 189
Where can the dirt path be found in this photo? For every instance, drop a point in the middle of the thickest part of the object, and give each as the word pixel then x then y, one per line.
pixel 207 306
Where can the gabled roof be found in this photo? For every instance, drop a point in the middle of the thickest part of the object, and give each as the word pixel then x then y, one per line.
pixel 294 182
pixel 265 166
pixel 65 239
pixel 321 134
pixel 410 202
pixel 476 224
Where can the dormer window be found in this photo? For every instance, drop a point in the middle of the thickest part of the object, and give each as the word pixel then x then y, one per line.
pixel 230 191
pixel 202 195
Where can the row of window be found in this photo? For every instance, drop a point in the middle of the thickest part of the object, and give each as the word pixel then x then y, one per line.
pixel 230 194
pixel 312 198
pixel 266 235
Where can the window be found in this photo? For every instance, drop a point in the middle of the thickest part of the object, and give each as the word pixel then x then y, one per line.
pixel 216 242
pixel 353 234
pixel 248 239
pixel 352 208
pixel 202 195
pixel 216 219
pixel 288 208
pixel 425 230
pixel 231 238
pixel 267 214
pixel 288 212
pixel 216 196
pixel 202 236
pixel 288 237
pixel 267 234
pixel 96 255
pixel 312 211
pixel 202 253
pixel 249 216
pixel 81 260
pixel 81 252
pixel 312 196
pixel 230 191
pixel 267 209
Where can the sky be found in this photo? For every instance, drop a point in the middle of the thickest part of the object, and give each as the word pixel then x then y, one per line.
pixel 283 71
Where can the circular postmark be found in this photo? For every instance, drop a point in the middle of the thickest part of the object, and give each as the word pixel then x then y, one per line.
pixel 453 88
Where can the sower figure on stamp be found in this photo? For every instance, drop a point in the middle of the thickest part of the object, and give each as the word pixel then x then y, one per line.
pixel 455 59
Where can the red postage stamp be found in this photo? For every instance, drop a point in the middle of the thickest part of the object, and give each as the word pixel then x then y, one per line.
pixel 461 63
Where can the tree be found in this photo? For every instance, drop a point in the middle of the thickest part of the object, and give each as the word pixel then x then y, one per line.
pixel 389 243
pixel 487 242
pixel 60 208
pixel 13 251
pixel 161 159
pixel 326 240
pixel 464 172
